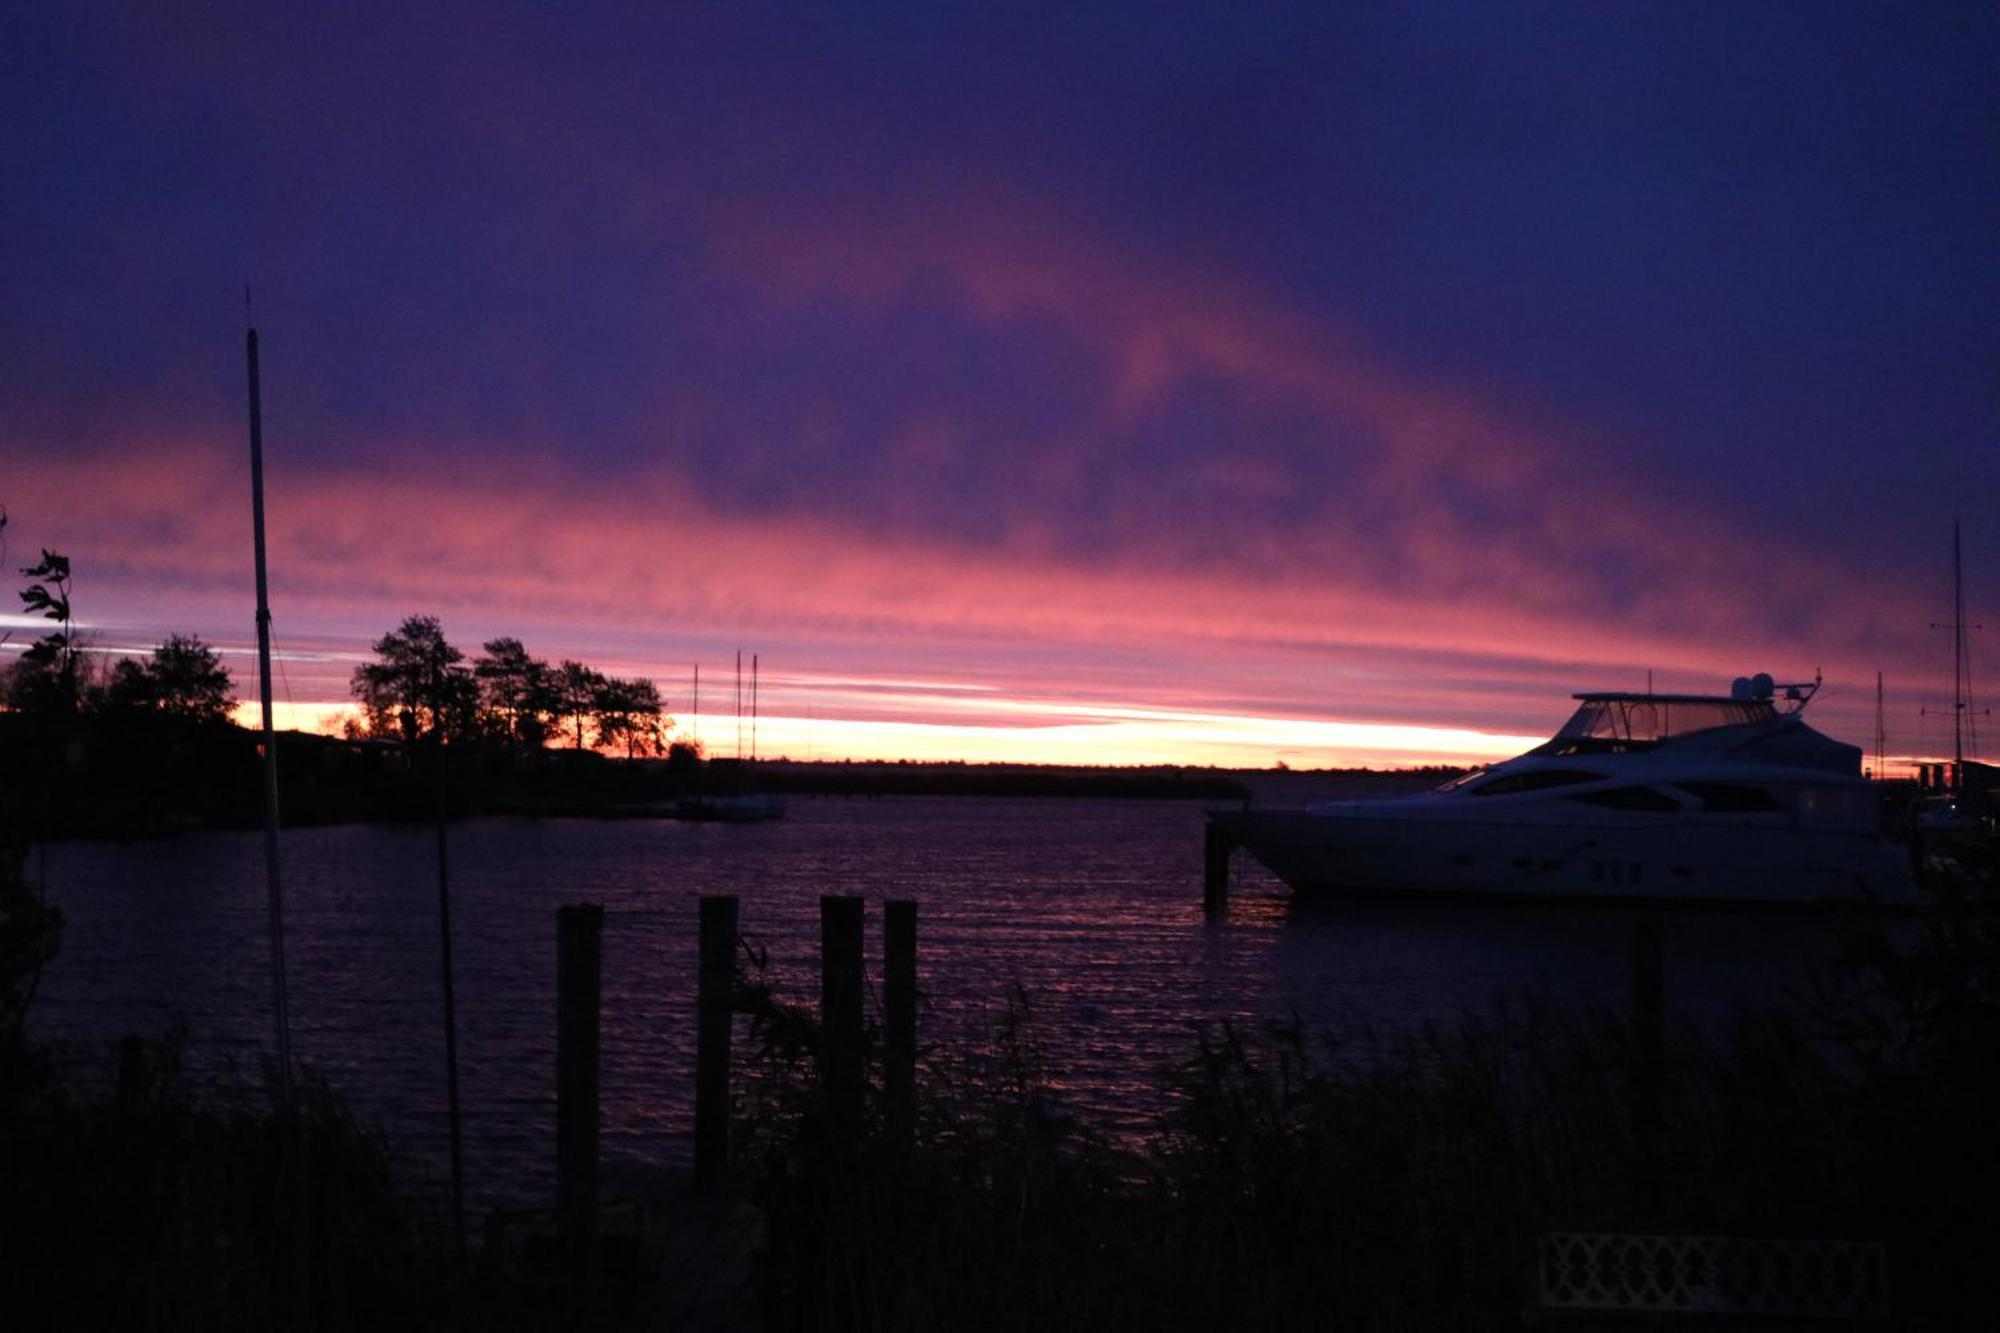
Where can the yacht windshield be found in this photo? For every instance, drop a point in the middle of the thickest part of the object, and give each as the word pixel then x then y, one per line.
pixel 1643 719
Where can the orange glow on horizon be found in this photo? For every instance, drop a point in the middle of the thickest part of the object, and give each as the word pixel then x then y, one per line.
pixel 1134 737
pixel 1089 735
pixel 1018 731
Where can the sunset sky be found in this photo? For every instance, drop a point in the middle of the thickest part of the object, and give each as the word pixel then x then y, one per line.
pixel 1110 384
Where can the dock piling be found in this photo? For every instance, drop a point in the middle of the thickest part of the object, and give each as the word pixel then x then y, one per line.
pixel 579 980
pixel 1216 848
pixel 714 1015
pixel 899 1018
pixel 841 983
pixel 132 1079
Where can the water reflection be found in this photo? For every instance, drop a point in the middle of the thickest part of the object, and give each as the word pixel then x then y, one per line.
pixel 1092 908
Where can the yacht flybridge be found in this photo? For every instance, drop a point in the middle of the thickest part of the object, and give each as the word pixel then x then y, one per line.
pixel 1640 796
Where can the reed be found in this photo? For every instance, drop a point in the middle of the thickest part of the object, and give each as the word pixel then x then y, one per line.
pixel 157 1208
pixel 1390 1184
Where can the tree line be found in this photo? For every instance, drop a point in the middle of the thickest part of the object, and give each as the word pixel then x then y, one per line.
pixel 421 687
pixel 54 675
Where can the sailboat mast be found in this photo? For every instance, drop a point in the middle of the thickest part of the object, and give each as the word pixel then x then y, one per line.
pixel 696 709
pixel 274 887
pixel 753 708
pixel 739 705
pixel 1961 661
pixel 1881 734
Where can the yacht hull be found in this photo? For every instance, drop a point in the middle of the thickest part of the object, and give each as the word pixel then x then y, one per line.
pixel 1363 852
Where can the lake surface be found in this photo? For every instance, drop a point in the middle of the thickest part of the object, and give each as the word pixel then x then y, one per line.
pixel 1092 907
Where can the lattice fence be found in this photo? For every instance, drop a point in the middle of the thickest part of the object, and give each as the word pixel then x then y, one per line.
pixel 1721 1275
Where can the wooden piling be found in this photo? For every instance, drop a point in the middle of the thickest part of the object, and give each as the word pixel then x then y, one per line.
pixel 450 990
pixel 1216 847
pixel 579 979
pixel 132 1080
pixel 1647 1056
pixel 899 1019
pixel 714 1015
pixel 841 982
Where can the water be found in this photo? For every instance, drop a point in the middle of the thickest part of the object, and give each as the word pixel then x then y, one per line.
pixel 1092 908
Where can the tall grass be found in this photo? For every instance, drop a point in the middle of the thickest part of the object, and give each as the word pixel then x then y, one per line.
pixel 156 1209
pixel 1398 1185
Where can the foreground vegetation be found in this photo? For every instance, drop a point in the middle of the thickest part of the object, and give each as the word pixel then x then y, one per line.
pixel 1358 1186
pixel 1296 1177
pixel 147 1207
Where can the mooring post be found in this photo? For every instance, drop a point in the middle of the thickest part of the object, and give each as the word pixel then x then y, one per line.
pixel 840 931
pixel 899 1019
pixel 714 1016
pixel 579 978
pixel 131 1073
pixel 1216 846
pixel 1648 1062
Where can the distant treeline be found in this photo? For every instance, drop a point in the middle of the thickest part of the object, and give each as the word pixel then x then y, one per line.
pixel 145 745
pixel 953 779
pixel 123 773
pixel 419 687
pixel 140 774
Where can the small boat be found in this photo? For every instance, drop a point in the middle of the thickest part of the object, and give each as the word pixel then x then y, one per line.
pixel 725 794
pixel 742 808
pixel 1640 796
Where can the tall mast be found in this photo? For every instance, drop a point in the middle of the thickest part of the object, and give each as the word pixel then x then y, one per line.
pixel 739 705
pixel 696 707
pixel 1881 734
pixel 1961 669
pixel 274 888
pixel 753 708
pixel 1964 721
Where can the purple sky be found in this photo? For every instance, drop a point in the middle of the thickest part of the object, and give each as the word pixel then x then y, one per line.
pixel 1135 382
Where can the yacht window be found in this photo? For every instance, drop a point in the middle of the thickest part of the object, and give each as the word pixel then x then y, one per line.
pixel 1643 719
pixel 1732 798
pixel 1628 798
pixel 1539 779
pixel 1850 806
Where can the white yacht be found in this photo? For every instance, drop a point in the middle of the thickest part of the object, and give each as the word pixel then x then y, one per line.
pixel 1640 796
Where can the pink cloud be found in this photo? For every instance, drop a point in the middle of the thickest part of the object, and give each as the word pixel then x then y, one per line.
pixel 161 531
pixel 1572 550
pixel 1380 594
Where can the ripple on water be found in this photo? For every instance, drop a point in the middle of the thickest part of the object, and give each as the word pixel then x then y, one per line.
pixel 1091 908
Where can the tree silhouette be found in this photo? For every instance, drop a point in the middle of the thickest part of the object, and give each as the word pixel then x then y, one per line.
pixel 420 687
pixel 517 691
pixel 188 680
pixel 129 688
pixel 51 672
pixel 629 712
pixel 576 691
